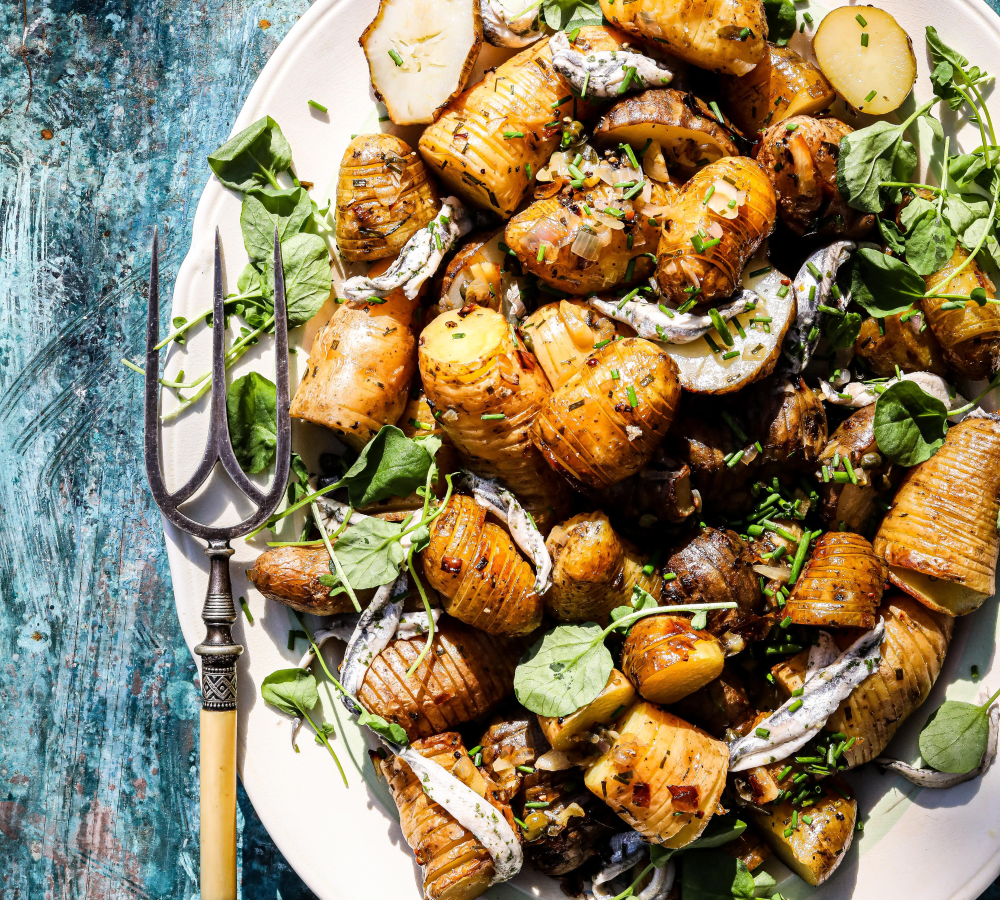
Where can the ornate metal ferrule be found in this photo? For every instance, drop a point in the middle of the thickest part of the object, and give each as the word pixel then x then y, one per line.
pixel 218 651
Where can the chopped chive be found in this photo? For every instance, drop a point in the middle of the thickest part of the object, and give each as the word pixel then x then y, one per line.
pixel 396 58
pixel 603 343
pixel 538 804
pixel 249 615
pixel 721 327
pixel 744 33
pixel 646 146
pixel 457 335
pixel 319 106
pixel 814 271
pixel 807 819
pixel 492 417
pixel 541 253
pixel 714 347
pixel 831 310
pixel 292 635
pixel 975 669
pixel 527 170
pixel 630 154
pixel 586 81
pixel 861 20
pixel 808 18
pixel 785 622
pixel 631 293
pixel 870 97
pixel 850 470
pixel 477 760
pixel 559 103
pixel 763 271
pixel 795 706
pixel 686 305
pixel 633 401
pixel 634 192
pixel 763 733
pixel 573 35
pixel 475 749
pixel 666 310
pixel 783 291
pixel 864 39
pixel 784 773
pixel 790 126
pixel 630 272
pixel 526 769
pixel 525 827
pixel 513 134
pixel 715 109
pixel 736 457
pixel 629 75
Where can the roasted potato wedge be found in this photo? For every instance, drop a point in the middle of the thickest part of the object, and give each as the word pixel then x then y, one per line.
pixel 706 34
pixel 659 766
pixel 716 271
pixel 420 54
pixel 750 848
pixel 882 62
pixel 481 576
pixel 606 421
pixel 566 732
pixel 800 156
pixel 466 675
pixel 940 536
pixel 290 575
pixel 484 374
pixel 666 659
pixel 781 85
pixel 841 584
pixel 473 276
pixel 685 128
pixel 969 337
pixel 787 419
pixel 384 196
pixel 593 570
pixel 814 849
pixel 360 368
pixel 466 148
pixel 902 345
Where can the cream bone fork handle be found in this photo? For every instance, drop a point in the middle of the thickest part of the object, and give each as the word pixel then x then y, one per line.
pixel 218 651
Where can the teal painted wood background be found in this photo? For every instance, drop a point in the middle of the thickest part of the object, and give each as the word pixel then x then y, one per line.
pixel 107 111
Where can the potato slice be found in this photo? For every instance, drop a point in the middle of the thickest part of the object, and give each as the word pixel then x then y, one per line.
pixel 420 54
pixel 565 732
pixel 856 66
pixel 474 275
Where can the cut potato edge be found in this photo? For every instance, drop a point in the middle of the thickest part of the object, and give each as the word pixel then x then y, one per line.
pixel 935 593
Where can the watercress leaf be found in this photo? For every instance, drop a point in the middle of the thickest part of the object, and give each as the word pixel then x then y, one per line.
pixel 564 671
pixel 699 620
pixel 293 691
pixel 910 424
pixel 253 158
pixel 620 612
pixel 883 285
pixel 299 468
pixel 869 156
pixel 955 737
pixel 962 213
pixel 964 168
pixel 660 856
pixel 268 208
pixel 930 245
pixel 763 883
pixel 941 52
pixel 390 465
pixel 721 830
pixel 904 163
pixel 842 331
pixel 251 410
pixel 566 15
pixel 326 729
pixel 370 553
pixel 937 129
pixel 891 234
pixel 914 211
pixel 249 280
pixel 781 22
pixel 714 875
pixel 306 263
pixel 389 730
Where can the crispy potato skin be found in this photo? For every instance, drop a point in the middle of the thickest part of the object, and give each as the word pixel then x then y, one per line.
pixel 902 345
pixel 943 520
pixel 567 732
pixel 360 368
pixel 482 374
pixel 666 659
pixel 970 337
pixel 719 270
pixel 290 575
pixel 703 33
pixel 664 765
pixel 581 428
pixel 466 674
pixel 482 578
pixel 841 584
pixel 787 418
pixel 465 147
pixel 593 570
pixel 662 489
pixel 802 166
pixel 782 84
pixel 384 196
pixel 555 222
pixel 516 738
pixel 455 865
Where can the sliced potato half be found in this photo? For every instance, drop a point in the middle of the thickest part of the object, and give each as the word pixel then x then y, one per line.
pixel 565 732
pixel 863 50
pixel 420 54
pixel 474 274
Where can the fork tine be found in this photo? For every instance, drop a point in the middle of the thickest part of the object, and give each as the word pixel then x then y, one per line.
pixel 283 451
pixel 151 412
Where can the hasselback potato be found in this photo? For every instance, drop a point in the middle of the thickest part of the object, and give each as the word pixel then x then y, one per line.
pixel 666 659
pixel 940 536
pixel 787 418
pixel 848 503
pixel 689 223
pixel 474 275
pixel 466 147
pixel 888 343
pixel 593 570
pixel 479 572
pixel 606 421
pixel 567 732
pixel 841 584
pixel 486 391
pixel 466 674
pixel 384 196
pixel 659 766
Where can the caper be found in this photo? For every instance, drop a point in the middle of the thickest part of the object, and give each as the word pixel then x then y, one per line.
pixel 871 461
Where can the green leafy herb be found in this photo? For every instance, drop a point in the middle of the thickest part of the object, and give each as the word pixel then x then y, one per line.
pixel 930 244
pixel 950 74
pixel 567 15
pixel 910 425
pixel 253 158
pixel 389 730
pixel 891 235
pixel 882 284
pixel 842 331
pixel 715 875
pixel 781 22
pixel 955 737
pixel 390 465
pixel 251 409
pixel 306 264
pixel 370 553
pixel 263 210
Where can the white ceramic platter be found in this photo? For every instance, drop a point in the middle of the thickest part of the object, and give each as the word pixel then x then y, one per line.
pixel 346 843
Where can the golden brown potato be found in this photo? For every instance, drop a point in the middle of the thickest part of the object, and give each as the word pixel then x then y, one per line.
pixel 970 337
pixel 473 276
pixel 565 247
pixel 384 196
pixel 455 865
pixel 684 127
pixel 485 374
pixel 721 707
pixel 466 674
pixel 466 148
pixel 802 166
pixel 563 334
pixel 750 848
pixel 290 575
pixel 717 270
pixel 513 739
pixel 940 536
pixel 787 419
pixel 360 368
pixel 781 85
pixel 707 34
pixel 902 345
pixel 841 584
pixel 606 421
pixel 567 732
pixel 482 578
pixel 815 848
pixel 657 767
pixel 666 659
pixel 593 570
pixel 660 492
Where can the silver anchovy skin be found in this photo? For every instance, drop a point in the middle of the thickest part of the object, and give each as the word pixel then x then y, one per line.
pixel 414 624
pixel 822 694
pixel 607 69
pixel 799 347
pixel 374 630
pixel 861 394
pixel 501 29
pixel 652 323
pixel 419 258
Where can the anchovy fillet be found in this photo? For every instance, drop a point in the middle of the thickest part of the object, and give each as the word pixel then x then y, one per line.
pixel 859 393
pixel 654 324
pixel 375 628
pixel 603 73
pixel 502 29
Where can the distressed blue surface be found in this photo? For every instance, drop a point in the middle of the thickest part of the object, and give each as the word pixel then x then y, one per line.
pixel 107 111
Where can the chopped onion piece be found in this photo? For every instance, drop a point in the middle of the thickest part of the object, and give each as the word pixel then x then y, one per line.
pixel 778 573
pixel 722 196
pixel 587 245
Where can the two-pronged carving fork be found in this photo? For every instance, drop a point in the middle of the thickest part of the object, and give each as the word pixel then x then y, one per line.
pixel 218 652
